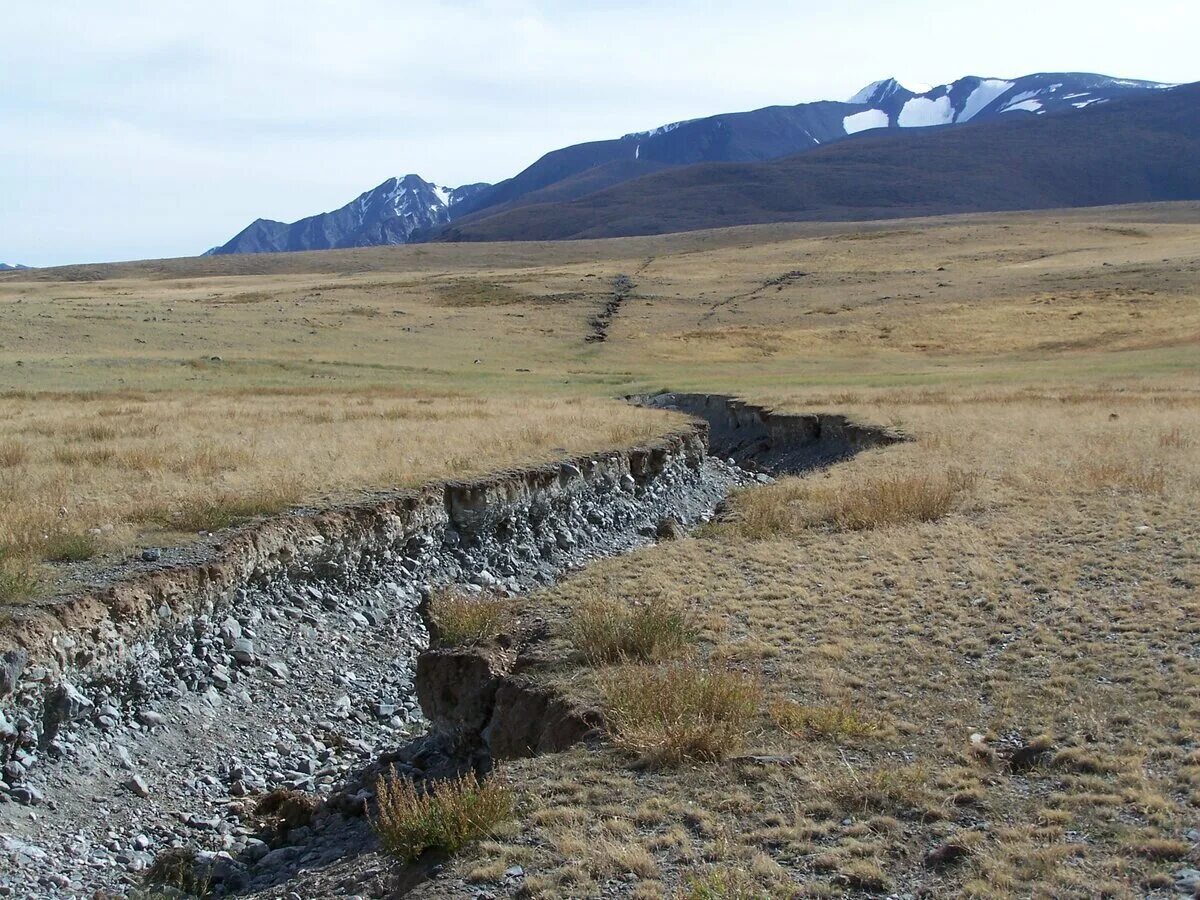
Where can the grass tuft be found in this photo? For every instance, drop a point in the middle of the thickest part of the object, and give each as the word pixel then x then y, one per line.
pixel 834 723
pixel 889 788
pixel 1130 476
pixel 13 454
pixel 461 619
pixel 722 883
pixel 222 510
pixel 891 500
pixel 447 817
pixel 605 630
pixel 66 547
pixel 18 580
pixel 175 869
pixel 793 505
pixel 670 714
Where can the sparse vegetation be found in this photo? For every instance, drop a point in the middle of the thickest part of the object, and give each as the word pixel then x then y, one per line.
pixel 67 547
pixel 890 500
pixel 461 618
pixel 175 869
pixel 606 630
pixel 840 723
pixel 446 817
pixel 18 581
pixel 888 788
pixel 678 712
pixel 722 883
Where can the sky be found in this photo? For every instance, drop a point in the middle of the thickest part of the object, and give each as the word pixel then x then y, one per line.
pixel 162 128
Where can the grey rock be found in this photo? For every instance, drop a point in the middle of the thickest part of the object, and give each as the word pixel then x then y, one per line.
pixel 28 795
pixel 12 664
pixel 63 704
pixel 276 668
pixel 1187 881
pixel 12 845
pixel 123 758
pixel 138 785
pixel 150 555
pixel 243 652
pixel 150 718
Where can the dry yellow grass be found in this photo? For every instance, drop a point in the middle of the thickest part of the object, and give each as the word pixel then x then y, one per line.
pixel 1047 611
pixel 84 475
pixel 444 817
pixel 460 618
pixel 1013 596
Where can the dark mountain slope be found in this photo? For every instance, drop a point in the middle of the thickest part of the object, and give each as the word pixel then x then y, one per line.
pixel 776 131
pixel 1144 147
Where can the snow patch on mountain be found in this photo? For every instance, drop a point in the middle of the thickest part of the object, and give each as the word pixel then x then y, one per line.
pixel 989 90
pixel 878 91
pixel 864 121
pixel 923 112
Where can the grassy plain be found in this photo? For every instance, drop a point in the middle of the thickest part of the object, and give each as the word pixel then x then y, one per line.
pixel 974 656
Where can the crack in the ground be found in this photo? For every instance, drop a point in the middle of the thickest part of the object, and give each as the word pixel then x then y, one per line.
pixel 779 282
pixel 622 287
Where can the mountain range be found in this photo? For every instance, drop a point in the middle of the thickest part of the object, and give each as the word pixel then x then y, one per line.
pixel 582 190
pixel 11 267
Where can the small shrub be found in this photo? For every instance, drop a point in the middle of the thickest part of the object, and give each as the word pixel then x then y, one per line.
pixel 18 582
pixel 884 789
pixel 176 868
pixel 67 547
pixel 447 817
pixel 286 808
pixel 835 723
pixel 680 712
pixel 461 619
pixel 606 630
pixel 722 883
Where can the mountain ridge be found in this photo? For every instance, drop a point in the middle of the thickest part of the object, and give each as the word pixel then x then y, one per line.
pixel 1130 150
pixel 410 209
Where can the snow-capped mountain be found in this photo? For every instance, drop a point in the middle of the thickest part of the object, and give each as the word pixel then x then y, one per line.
pixel 888 103
pixel 387 214
pixel 11 267
pixel 407 209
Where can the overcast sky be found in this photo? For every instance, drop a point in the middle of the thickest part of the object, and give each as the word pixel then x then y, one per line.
pixel 161 128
